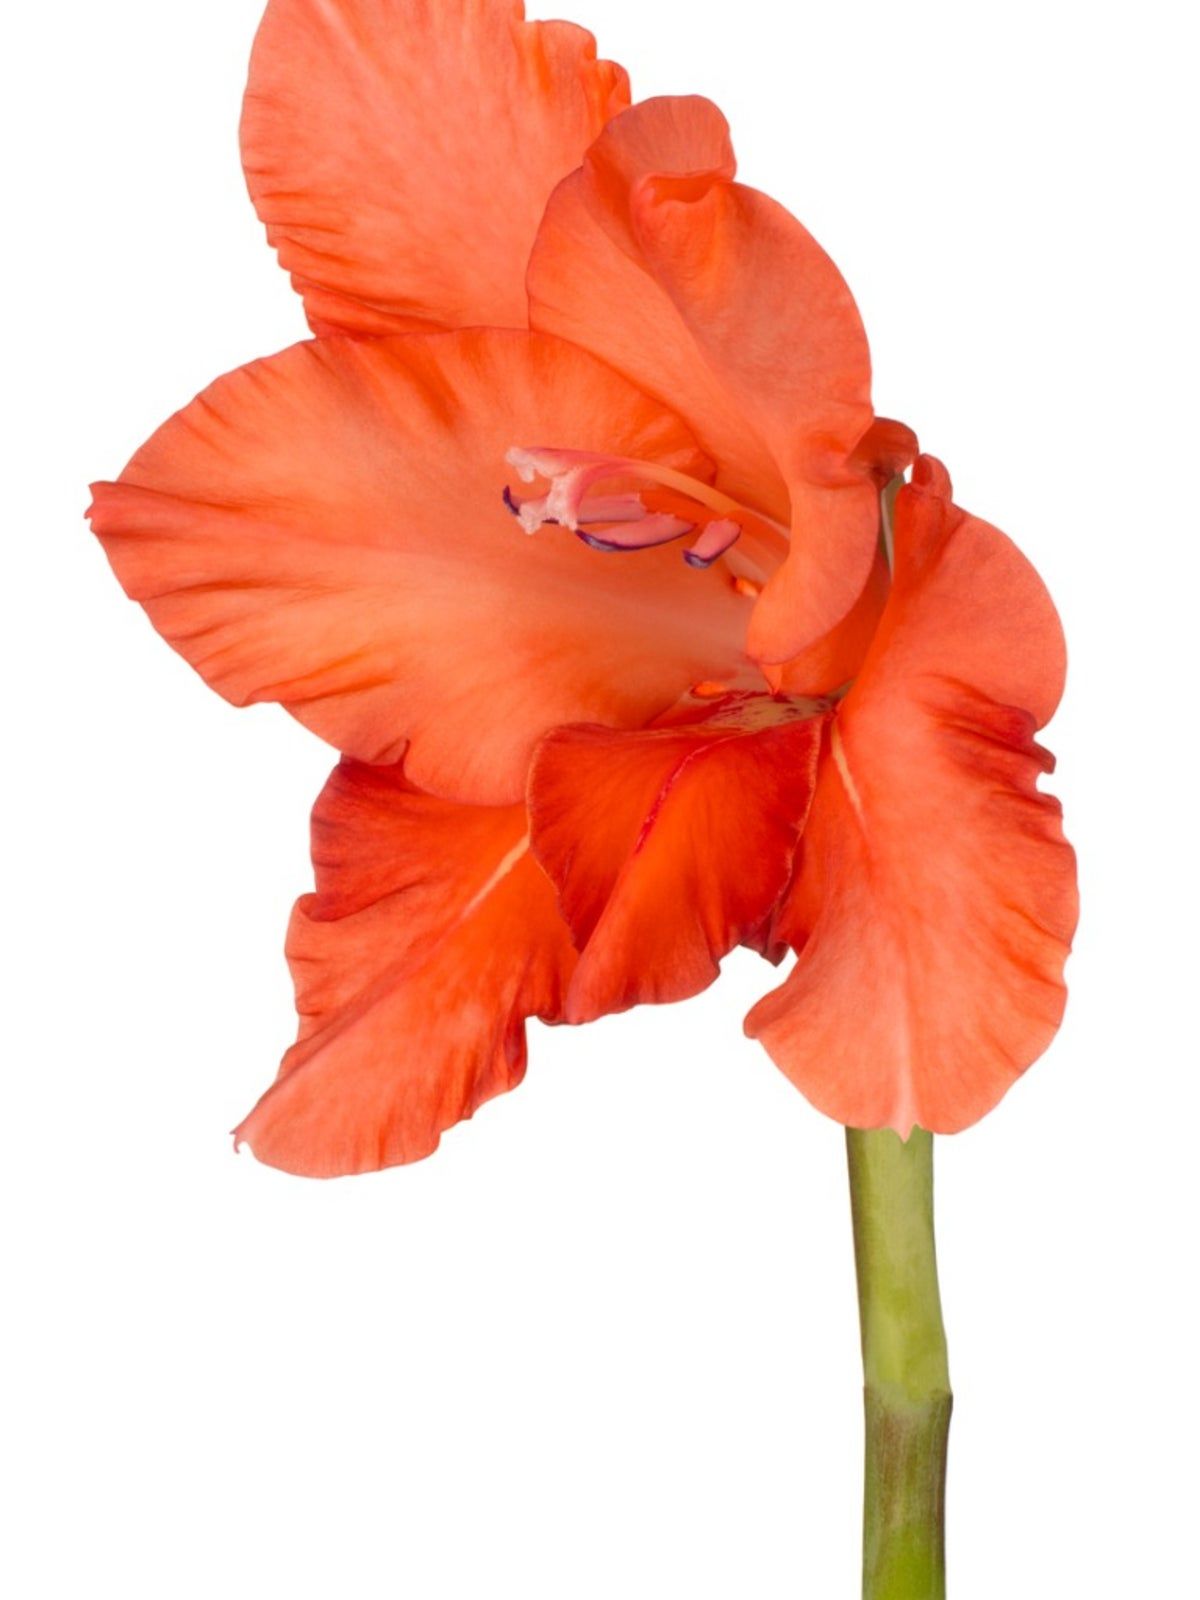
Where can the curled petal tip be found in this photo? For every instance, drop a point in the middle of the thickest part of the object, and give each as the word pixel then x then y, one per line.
pixel 929 473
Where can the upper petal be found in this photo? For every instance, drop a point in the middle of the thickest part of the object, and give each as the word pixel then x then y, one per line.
pixel 670 845
pixel 590 282
pixel 401 152
pixel 715 299
pixel 431 937
pixel 777 324
pixel 326 529
pixel 935 900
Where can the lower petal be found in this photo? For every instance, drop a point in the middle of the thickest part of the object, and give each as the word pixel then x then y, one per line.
pixel 432 936
pixel 670 846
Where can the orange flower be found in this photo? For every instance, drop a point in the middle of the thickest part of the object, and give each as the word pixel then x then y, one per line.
pixel 559 347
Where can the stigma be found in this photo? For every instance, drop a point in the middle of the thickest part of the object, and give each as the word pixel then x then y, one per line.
pixel 621 520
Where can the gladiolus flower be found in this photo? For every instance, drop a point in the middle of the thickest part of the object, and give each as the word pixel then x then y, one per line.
pixel 568 532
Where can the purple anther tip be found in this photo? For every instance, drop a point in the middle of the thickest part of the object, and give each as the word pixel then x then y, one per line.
pixel 605 545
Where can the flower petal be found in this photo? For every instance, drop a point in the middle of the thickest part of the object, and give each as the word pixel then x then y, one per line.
pixel 669 846
pixel 400 152
pixel 777 325
pixel 837 657
pixel 935 900
pixel 432 936
pixel 589 282
pixel 716 300
pixel 327 529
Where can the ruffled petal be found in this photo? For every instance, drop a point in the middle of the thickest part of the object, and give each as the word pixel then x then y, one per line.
pixel 670 846
pixel 327 529
pixel 433 934
pixel 400 152
pixel 935 900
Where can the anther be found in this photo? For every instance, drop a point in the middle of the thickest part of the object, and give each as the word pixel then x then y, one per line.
pixel 713 542
pixel 621 521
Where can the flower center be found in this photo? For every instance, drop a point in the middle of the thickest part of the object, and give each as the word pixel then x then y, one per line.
pixel 666 505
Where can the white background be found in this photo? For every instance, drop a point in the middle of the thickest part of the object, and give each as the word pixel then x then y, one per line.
pixel 604 1343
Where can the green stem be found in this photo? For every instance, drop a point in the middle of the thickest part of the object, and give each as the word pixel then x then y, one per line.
pixel 907 1381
